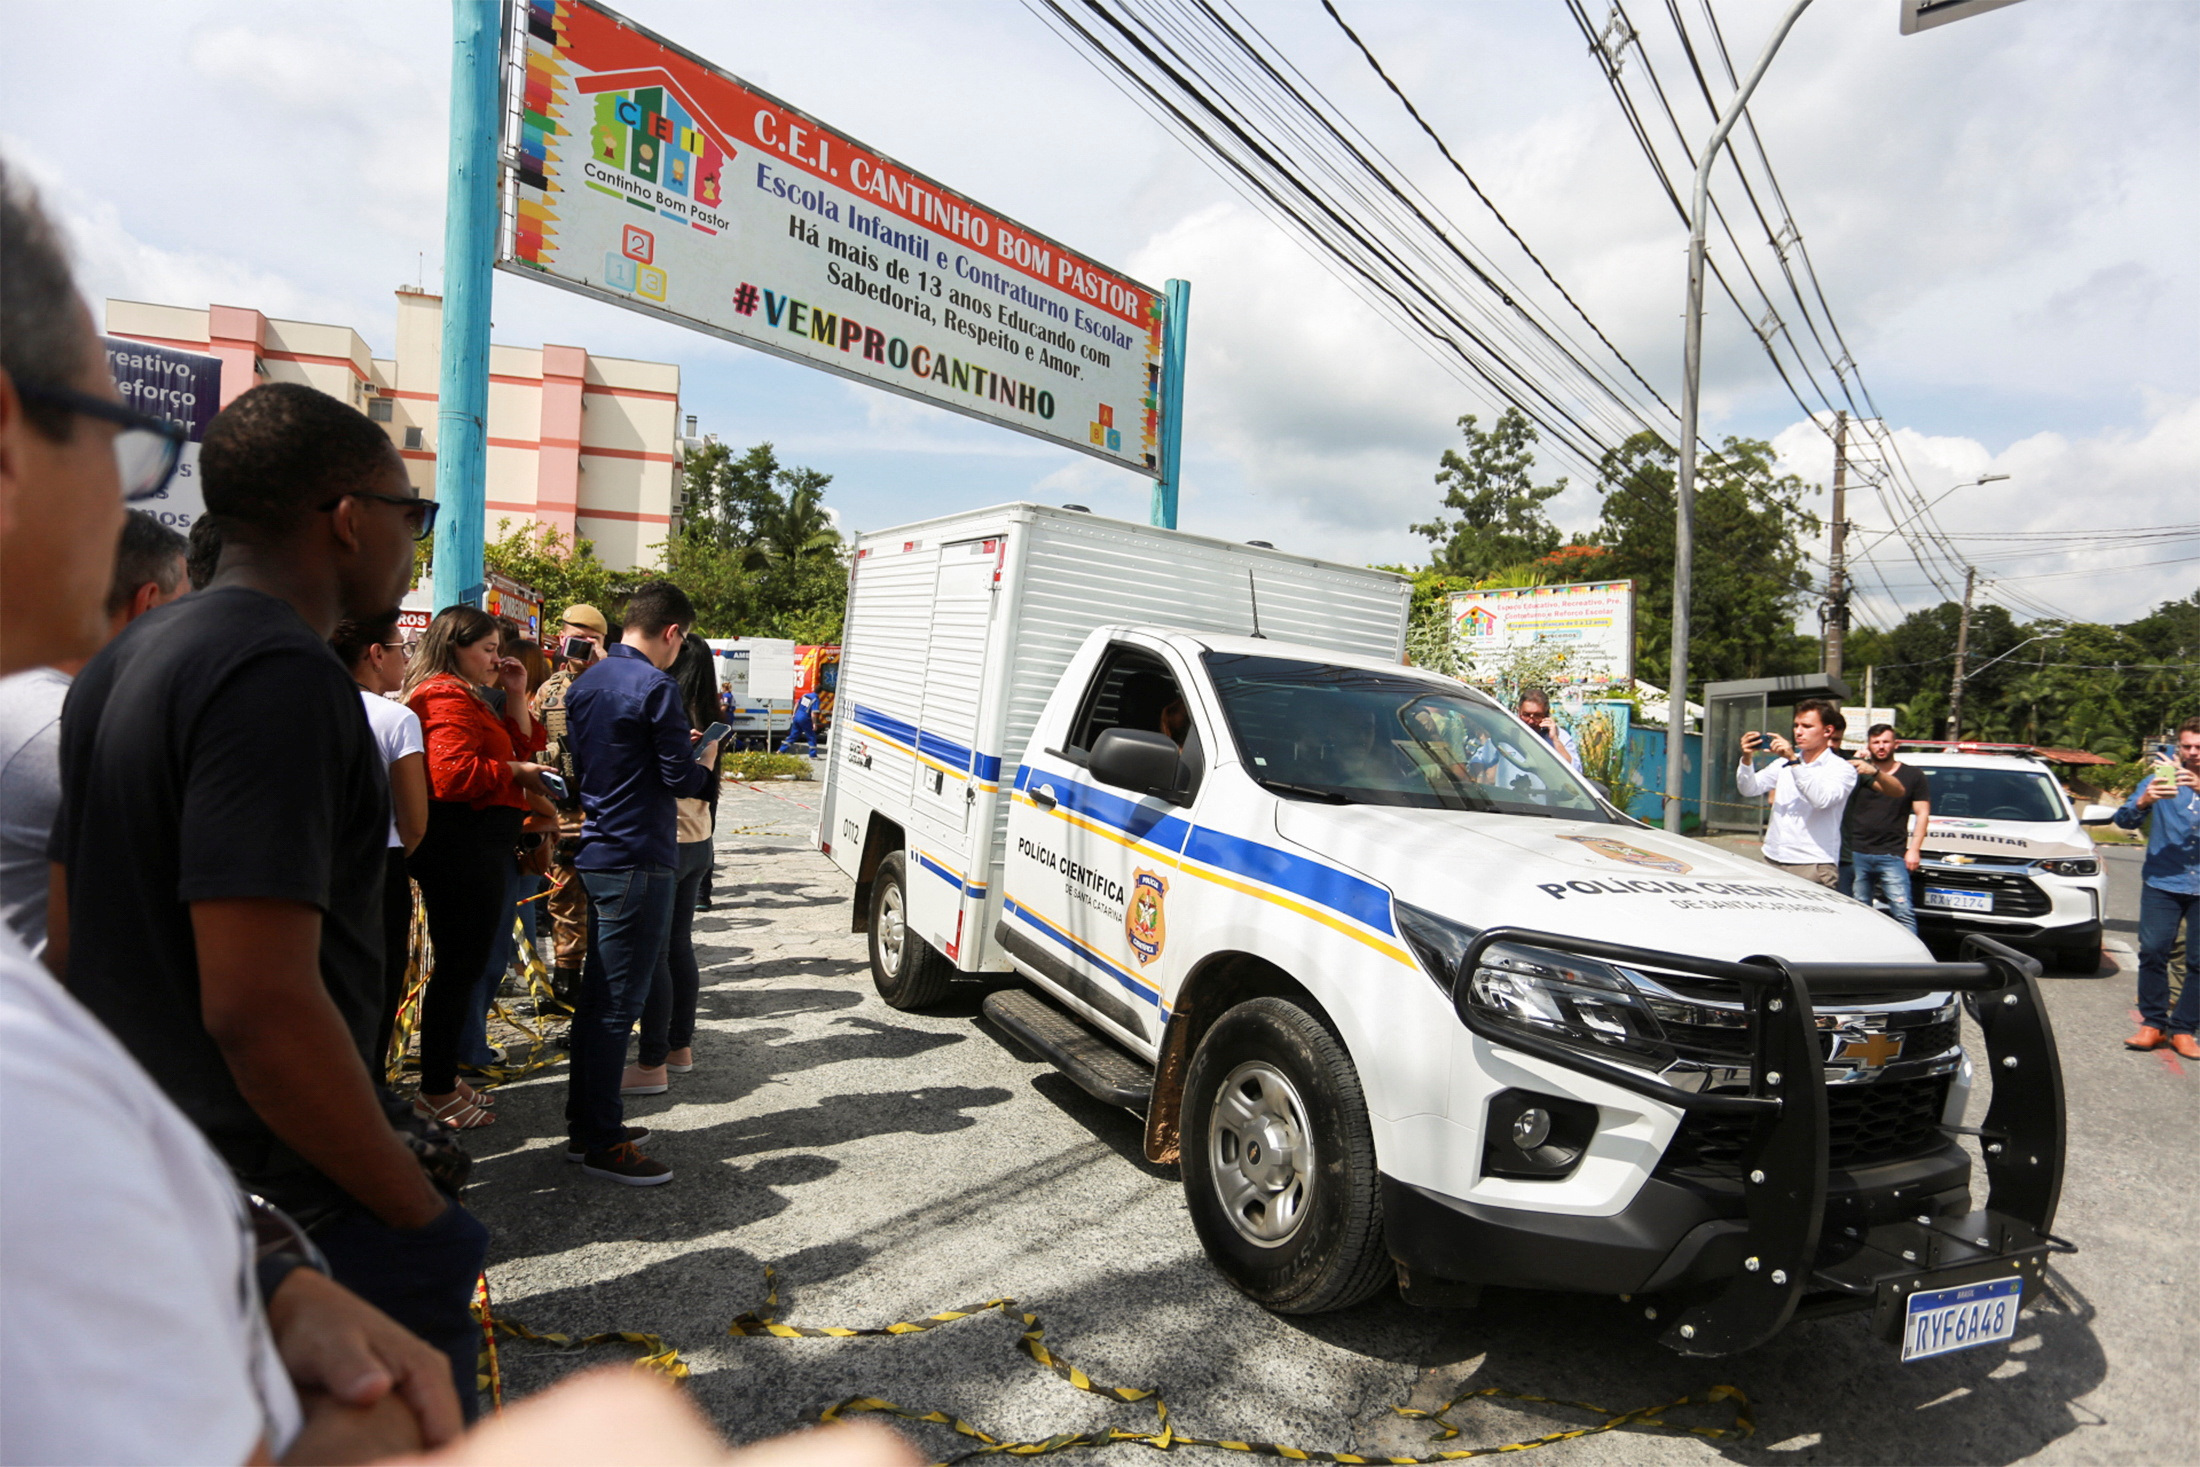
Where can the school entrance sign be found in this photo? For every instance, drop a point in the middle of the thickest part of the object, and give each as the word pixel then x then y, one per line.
pixel 640 174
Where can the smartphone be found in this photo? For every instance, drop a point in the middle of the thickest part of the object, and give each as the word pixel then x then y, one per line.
pixel 715 734
pixel 578 649
pixel 555 784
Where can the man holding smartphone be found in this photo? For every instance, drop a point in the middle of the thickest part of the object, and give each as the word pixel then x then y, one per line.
pixel 1809 785
pixel 2169 894
pixel 636 753
pixel 579 645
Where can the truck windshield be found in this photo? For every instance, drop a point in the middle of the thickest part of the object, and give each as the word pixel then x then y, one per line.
pixel 1995 794
pixel 1312 731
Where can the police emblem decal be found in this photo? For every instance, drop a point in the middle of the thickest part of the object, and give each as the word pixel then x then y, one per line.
pixel 1145 924
pixel 1619 850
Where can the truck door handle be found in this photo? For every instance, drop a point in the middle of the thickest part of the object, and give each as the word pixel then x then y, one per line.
pixel 1043 796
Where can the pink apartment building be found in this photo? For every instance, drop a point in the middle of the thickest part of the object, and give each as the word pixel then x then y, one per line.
pixel 584 443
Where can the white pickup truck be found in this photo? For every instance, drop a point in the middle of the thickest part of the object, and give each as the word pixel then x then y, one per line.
pixel 1403 995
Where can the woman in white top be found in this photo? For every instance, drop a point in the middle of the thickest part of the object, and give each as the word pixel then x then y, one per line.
pixel 376 657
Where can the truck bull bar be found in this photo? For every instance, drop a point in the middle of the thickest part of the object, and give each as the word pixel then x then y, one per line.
pixel 1788 1267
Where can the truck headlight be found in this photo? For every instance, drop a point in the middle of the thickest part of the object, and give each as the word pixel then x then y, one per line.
pixel 1579 1001
pixel 1576 1000
pixel 2072 866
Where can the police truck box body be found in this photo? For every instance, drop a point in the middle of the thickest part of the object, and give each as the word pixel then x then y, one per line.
pixel 1402 994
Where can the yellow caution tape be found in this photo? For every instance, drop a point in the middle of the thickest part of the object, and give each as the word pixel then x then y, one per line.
pixel 1166 1436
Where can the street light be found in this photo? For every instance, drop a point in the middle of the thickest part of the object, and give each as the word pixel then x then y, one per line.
pixel 1684 488
pixel 1926 507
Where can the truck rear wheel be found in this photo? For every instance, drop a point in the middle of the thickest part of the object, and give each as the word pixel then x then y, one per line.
pixel 1278 1162
pixel 908 972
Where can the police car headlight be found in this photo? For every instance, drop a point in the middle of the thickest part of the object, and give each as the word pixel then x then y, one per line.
pixel 2074 866
pixel 1575 1000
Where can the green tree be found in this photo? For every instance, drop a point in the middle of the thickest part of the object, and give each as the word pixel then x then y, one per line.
pixel 561 570
pixel 728 498
pixel 1749 583
pixel 1501 521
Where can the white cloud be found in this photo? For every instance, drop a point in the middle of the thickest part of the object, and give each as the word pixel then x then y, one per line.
pixel 2060 490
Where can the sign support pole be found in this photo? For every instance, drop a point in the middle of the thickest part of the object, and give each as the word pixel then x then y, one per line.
pixel 1173 324
pixel 469 257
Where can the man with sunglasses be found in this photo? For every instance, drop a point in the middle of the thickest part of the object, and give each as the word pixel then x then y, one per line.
pixel 223 842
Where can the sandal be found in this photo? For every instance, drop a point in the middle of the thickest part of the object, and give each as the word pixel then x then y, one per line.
pixel 472 1096
pixel 458 1113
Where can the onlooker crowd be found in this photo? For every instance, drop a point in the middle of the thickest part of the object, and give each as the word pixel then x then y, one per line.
pixel 221 1237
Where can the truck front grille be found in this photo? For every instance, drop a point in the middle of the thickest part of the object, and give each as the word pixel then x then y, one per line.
pixel 1865 1124
pixel 1716 1044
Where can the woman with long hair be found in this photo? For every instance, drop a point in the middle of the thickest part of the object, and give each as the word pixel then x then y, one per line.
pixel 478 778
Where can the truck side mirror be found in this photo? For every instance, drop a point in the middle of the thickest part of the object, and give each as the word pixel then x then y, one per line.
pixel 1135 759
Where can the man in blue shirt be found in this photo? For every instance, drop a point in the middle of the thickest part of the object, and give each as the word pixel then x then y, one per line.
pixel 2169 896
pixel 635 752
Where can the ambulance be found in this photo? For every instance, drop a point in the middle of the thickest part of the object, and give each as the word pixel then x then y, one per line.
pixel 1404 997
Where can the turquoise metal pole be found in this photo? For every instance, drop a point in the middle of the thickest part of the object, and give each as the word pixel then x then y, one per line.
pixel 469 255
pixel 1173 322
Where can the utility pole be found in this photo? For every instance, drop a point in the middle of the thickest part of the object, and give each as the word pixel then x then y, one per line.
pixel 1684 488
pixel 1963 644
pixel 1837 585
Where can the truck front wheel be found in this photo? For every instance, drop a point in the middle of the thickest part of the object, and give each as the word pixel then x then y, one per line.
pixel 908 973
pixel 1278 1163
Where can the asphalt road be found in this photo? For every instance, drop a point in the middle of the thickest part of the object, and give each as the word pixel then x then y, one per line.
pixel 892 1165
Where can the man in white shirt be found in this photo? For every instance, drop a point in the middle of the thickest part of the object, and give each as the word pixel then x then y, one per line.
pixel 1809 784
pixel 148 573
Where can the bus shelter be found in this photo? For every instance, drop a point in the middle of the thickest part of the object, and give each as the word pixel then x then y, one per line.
pixel 1749 705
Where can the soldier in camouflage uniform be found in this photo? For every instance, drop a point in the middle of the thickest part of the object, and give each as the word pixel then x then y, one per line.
pixel 568 902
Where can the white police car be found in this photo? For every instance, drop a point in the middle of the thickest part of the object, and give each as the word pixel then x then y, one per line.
pixel 2007 854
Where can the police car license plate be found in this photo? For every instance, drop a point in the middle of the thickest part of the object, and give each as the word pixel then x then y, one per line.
pixel 1942 1321
pixel 1959 901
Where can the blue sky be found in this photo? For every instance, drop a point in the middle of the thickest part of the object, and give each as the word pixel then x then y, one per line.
pixel 2003 212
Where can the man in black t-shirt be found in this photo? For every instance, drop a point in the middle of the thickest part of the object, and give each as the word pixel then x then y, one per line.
pixel 1885 825
pixel 222 838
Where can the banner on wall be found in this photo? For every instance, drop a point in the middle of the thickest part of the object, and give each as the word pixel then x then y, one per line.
pixel 183 387
pixel 1595 620
pixel 645 176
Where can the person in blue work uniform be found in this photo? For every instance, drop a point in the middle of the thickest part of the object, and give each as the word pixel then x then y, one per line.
pixel 636 751
pixel 803 724
pixel 2170 894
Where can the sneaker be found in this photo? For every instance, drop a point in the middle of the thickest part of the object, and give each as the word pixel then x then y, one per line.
pixel 681 1061
pixel 644 1080
pixel 626 1133
pixel 625 1163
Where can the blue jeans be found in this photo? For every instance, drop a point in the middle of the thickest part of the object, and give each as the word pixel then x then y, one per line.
pixel 1887 877
pixel 668 1019
pixel 629 925
pixel 423 1279
pixel 473 1041
pixel 2160 914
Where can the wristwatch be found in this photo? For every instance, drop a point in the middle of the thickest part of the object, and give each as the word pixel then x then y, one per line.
pixel 282 1246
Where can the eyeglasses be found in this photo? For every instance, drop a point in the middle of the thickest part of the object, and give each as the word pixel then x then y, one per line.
pixel 419 513
pixel 146 449
pixel 404 647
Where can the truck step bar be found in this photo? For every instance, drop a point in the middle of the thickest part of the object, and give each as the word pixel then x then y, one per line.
pixel 1095 1066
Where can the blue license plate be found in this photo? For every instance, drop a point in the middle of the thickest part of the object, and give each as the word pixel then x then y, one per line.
pixel 1942 1321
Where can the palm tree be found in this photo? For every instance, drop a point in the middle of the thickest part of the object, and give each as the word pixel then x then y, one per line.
pixel 798 528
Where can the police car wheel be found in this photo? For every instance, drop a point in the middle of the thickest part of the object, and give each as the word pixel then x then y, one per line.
pixel 907 971
pixel 1278 1163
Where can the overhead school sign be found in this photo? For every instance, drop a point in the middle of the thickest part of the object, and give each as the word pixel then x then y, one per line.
pixel 648 177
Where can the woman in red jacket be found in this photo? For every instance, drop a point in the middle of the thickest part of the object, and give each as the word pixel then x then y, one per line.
pixel 478 776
